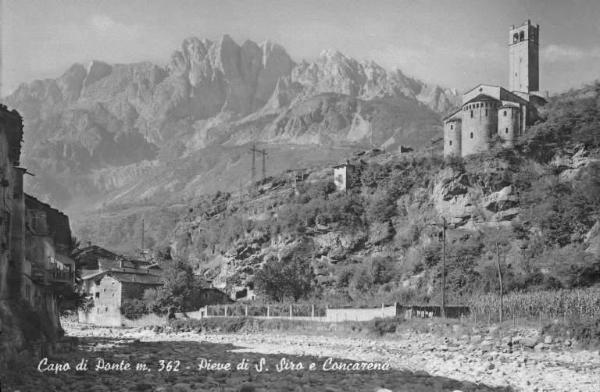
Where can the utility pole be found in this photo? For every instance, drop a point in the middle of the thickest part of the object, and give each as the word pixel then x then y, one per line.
pixel 142 249
pixel 443 310
pixel 500 279
pixel 264 165
pixel 142 235
pixel 254 151
pixel 444 226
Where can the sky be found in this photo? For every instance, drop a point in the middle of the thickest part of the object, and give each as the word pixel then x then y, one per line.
pixel 454 43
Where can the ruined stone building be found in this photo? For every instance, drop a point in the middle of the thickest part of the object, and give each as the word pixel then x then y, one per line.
pixel 108 279
pixel 344 176
pixel 108 290
pixel 490 111
pixel 35 241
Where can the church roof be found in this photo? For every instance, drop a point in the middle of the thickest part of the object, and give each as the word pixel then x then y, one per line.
pixel 480 98
pixel 453 116
pixel 497 92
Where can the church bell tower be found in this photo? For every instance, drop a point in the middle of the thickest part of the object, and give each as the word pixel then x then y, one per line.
pixel 523 57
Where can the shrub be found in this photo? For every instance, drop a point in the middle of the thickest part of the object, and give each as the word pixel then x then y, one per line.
pixel 382 270
pixel 278 280
pixel 133 308
pixel 381 208
pixel 586 332
pixel 382 326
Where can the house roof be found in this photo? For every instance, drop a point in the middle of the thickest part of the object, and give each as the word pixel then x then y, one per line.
pixel 96 250
pixel 126 275
pixel 137 278
pixel 508 104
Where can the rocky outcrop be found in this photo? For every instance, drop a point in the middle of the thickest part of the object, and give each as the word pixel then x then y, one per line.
pixel 592 240
pixel 571 163
pixel 462 197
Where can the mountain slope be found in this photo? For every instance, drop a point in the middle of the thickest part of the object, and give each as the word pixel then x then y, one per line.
pixel 135 133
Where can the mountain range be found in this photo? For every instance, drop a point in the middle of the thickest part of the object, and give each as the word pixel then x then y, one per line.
pixel 139 134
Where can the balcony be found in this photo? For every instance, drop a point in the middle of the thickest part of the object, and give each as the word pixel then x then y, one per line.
pixel 50 276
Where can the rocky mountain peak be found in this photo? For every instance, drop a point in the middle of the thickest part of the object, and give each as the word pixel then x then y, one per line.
pixel 213 93
pixel 96 70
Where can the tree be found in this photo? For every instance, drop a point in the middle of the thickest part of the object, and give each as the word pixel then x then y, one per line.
pixel 280 280
pixel 181 289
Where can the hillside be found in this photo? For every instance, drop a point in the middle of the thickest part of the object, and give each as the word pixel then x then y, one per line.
pixel 535 207
pixel 144 134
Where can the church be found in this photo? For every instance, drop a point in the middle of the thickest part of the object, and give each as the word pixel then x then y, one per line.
pixel 492 110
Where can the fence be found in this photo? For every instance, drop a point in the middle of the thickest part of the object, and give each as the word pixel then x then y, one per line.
pixel 319 312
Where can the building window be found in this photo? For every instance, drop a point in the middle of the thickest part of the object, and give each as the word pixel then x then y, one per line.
pixel 450 142
pixel 505 113
pixel 506 130
pixel 451 126
pixel 486 112
pixel 97 295
pixel 471 114
pixel 515 38
pixel 471 135
pixel 521 36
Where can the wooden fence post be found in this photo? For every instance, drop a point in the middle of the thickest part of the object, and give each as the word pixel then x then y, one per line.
pixel 246 310
pixel 382 311
pixel 312 311
pixel 290 310
pixel 268 311
pixel 225 310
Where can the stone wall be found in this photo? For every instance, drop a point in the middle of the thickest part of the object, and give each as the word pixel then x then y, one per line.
pixel 107 303
pixel 509 124
pixel 357 314
pixel 479 123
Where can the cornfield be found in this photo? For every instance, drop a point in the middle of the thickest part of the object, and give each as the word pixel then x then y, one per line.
pixel 578 304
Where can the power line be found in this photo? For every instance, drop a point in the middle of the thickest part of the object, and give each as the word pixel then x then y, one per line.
pixel 264 154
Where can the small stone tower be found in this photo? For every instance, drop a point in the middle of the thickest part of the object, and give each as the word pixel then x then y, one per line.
pixel 524 63
pixel 509 123
pixel 453 136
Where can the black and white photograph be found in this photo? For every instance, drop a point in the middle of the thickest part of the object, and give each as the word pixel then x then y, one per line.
pixel 300 195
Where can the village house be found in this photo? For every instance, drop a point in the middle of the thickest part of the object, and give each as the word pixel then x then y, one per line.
pixel 49 272
pixel 108 289
pixel 35 241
